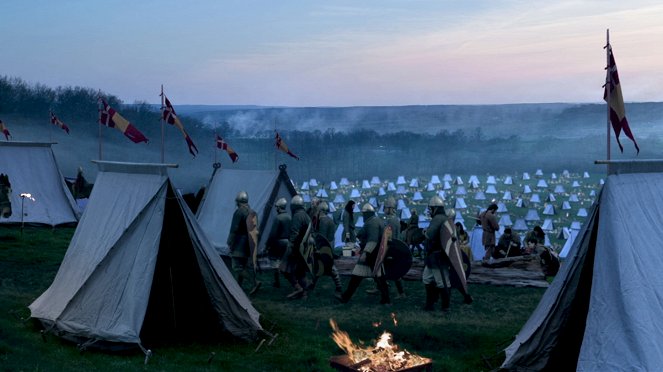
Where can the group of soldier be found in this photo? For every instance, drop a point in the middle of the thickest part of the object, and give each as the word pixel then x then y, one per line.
pixel 300 248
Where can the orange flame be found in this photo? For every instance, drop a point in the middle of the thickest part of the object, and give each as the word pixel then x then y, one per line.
pixel 384 356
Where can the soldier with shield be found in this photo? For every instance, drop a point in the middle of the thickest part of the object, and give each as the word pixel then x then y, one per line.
pixel 442 255
pixel 324 241
pixel 391 219
pixel 295 265
pixel 370 239
pixel 277 242
pixel 239 240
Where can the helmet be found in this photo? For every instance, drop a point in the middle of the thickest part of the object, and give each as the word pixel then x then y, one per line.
pixel 242 197
pixel 390 203
pixel 324 206
pixel 367 208
pixel 297 200
pixel 436 201
pixel 281 203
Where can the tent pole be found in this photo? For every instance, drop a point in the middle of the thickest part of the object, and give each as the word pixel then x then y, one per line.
pixel 608 86
pixel 162 126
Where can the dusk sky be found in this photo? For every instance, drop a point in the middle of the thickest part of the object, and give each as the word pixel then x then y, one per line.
pixel 336 53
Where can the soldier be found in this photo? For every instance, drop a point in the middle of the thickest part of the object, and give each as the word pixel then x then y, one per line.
pixel 348 219
pixel 391 219
pixel 369 240
pixel 238 242
pixel 489 225
pixel 436 263
pixel 327 228
pixel 294 268
pixel 277 243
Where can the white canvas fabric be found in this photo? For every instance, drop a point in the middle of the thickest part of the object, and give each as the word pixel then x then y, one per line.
pixel 104 284
pixel 32 169
pixel 218 205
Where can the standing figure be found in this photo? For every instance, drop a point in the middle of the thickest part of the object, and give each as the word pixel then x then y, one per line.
pixel 391 219
pixel 370 237
pixel 436 264
pixel 277 242
pixel 489 225
pixel 238 242
pixel 327 228
pixel 295 268
pixel 348 219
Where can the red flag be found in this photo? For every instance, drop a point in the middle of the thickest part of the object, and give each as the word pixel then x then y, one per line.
pixel 59 123
pixel 223 145
pixel 283 147
pixel 170 117
pixel 616 103
pixel 4 130
pixel 110 118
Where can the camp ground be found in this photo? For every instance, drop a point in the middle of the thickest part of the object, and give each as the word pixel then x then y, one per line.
pixel 524 199
pixel 38 192
pixel 139 267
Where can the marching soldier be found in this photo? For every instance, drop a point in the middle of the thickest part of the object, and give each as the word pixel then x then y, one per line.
pixel 327 228
pixel 238 242
pixel 392 220
pixel 370 237
pixel 437 264
pixel 277 243
pixel 295 267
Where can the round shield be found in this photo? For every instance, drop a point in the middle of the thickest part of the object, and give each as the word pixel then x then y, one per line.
pixel 398 260
pixel 324 256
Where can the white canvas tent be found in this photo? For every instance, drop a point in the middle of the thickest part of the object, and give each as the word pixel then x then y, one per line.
pixel 218 205
pixel 32 169
pixel 139 269
pixel 602 310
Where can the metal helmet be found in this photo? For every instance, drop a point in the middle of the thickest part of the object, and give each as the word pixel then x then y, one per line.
pixel 324 206
pixel 242 197
pixel 436 201
pixel 281 203
pixel 367 208
pixel 390 202
pixel 297 200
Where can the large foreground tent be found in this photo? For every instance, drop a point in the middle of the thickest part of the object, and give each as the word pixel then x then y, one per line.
pixel 602 312
pixel 218 205
pixel 139 269
pixel 33 172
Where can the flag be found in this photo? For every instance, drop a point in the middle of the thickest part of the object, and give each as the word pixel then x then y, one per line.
pixel 616 103
pixel 4 130
pixel 283 147
pixel 59 123
pixel 170 117
pixel 223 145
pixel 110 118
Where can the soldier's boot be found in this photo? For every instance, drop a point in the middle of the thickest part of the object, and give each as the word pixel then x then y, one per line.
pixel 445 296
pixel 399 289
pixel 297 293
pixel 337 280
pixel 352 287
pixel 277 279
pixel 384 291
pixel 256 286
pixel 311 286
pixel 431 296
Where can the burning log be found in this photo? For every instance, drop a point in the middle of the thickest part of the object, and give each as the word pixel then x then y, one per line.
pixel 384 356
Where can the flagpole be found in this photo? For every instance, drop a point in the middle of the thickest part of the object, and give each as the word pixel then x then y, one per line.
pixel 215 136
pixel 275 167
pixel 100 138
pixel 608 86
pixel 50 130
pixel 162 126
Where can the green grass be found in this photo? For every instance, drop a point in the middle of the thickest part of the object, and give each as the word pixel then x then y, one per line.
pixel 456 341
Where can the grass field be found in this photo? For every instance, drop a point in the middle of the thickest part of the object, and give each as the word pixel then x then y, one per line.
pixel 460 340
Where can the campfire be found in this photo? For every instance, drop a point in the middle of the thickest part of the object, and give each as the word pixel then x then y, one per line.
pixel 383 356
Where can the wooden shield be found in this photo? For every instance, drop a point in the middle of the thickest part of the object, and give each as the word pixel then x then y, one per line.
pixel 382 249
pixel 307 248
pixel 398 260
pixel 451 248
pixel 252 229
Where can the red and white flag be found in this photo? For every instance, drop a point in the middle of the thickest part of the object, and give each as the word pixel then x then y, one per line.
pixel 616 102
pixel 223 145
pixel 170 117
pixel 283 147
pixel 110 118
pixel 4 130
pixel 57 122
